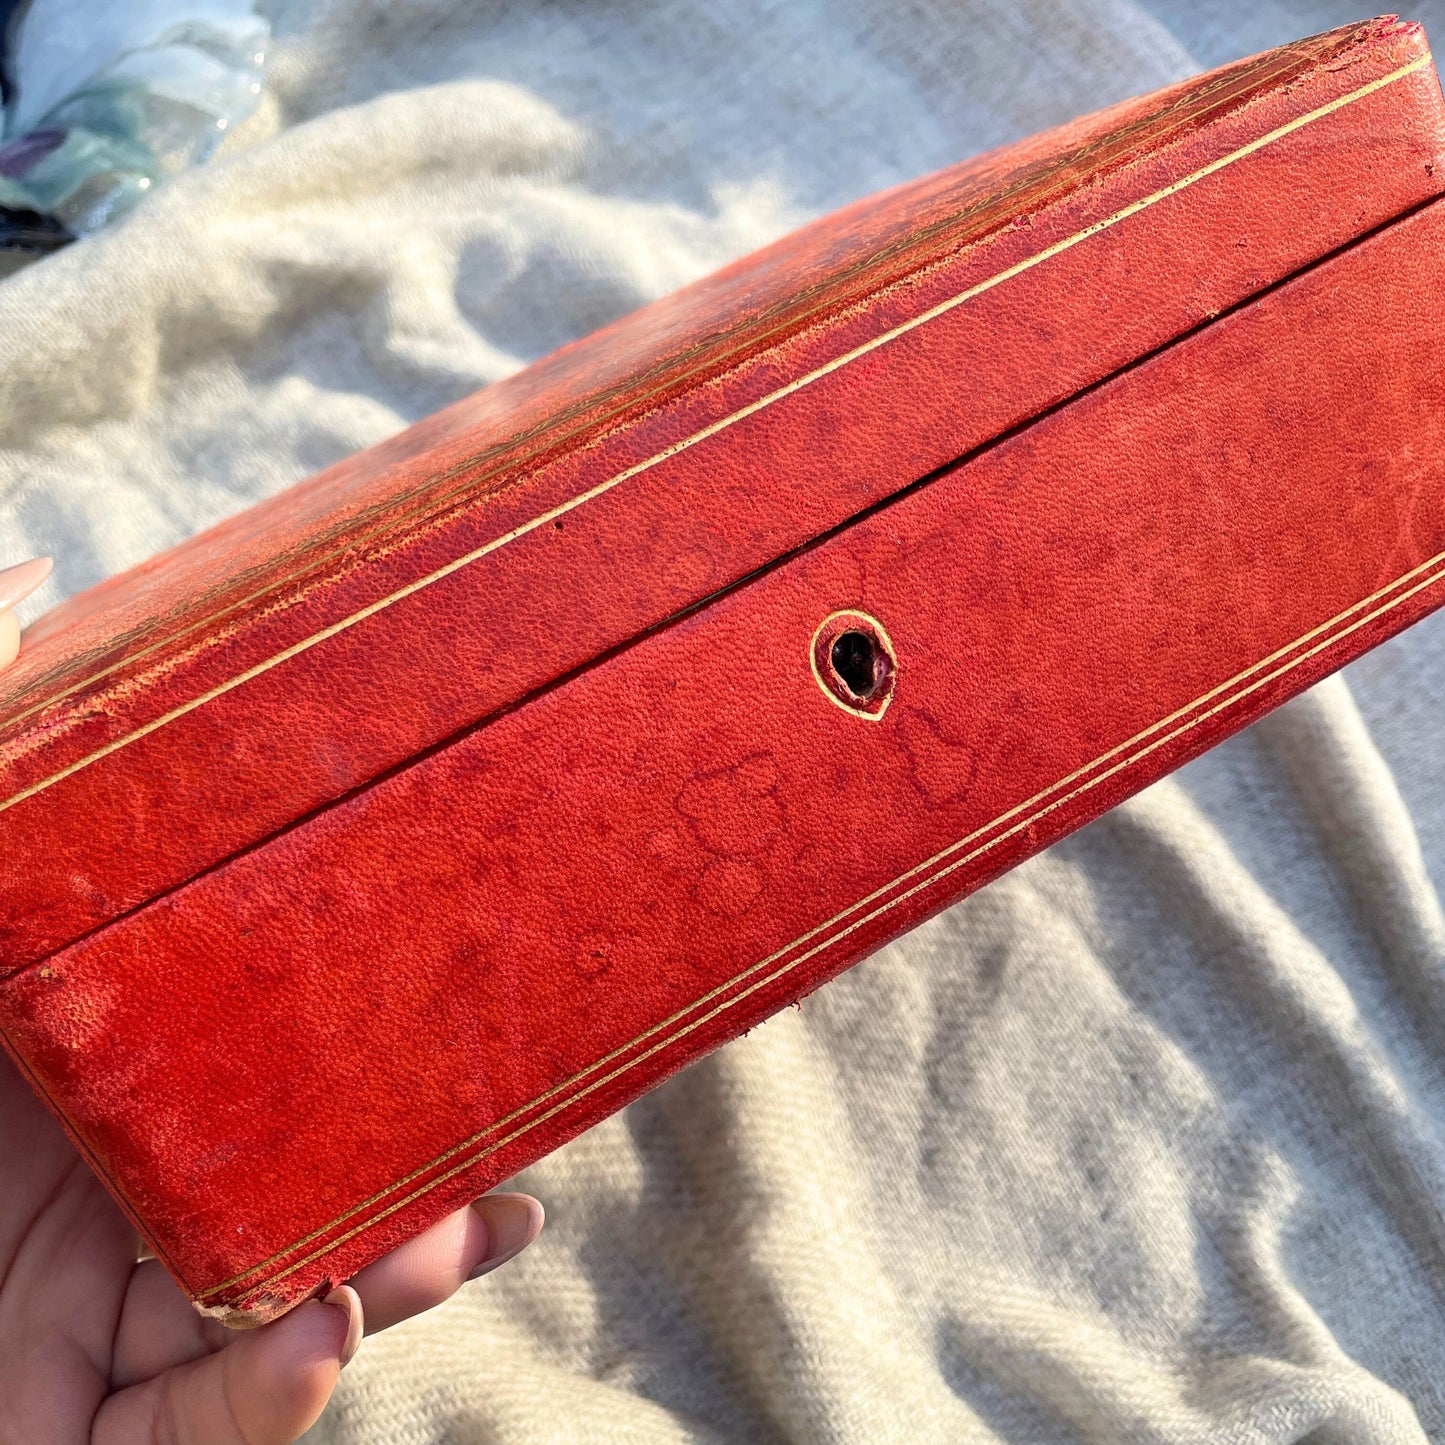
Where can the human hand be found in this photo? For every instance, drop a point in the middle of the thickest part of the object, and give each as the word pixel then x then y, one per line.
pixel 98 1349
pixel 16 584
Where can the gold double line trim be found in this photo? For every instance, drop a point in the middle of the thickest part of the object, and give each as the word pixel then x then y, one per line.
pixel 807 379
pixel 877 903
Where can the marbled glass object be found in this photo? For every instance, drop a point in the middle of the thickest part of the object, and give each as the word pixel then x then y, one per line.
pixel 106 100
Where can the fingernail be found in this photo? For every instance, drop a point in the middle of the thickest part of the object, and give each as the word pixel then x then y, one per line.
pixel 513 1221
pixel 346 1298
pixel 17 583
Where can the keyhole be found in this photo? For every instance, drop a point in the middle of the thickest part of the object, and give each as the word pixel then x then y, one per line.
pixel 854 659
pixel 854 663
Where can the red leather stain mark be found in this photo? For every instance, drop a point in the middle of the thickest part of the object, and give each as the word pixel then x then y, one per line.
pixel 729 886
pixel 941 767
pixel 733 813
pixel 734 810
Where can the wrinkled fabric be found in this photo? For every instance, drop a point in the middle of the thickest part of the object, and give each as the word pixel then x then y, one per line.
pixel 1143 1142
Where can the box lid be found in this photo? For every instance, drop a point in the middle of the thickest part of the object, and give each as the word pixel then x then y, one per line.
pixel 209 699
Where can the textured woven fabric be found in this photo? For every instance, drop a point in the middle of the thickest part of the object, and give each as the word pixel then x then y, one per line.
pixel 1142 1143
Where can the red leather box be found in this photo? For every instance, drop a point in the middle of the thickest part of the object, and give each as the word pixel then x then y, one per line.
pixel 358 852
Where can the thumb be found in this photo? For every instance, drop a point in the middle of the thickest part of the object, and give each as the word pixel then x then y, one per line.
pixel 16 584
pixel 266 1388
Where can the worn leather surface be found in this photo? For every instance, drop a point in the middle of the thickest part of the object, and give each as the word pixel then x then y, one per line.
pixel 437 980
pixel 200 704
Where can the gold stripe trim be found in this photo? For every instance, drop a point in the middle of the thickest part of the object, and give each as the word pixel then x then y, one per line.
pixel 582 498
pixel 1218 95
pixel 939 866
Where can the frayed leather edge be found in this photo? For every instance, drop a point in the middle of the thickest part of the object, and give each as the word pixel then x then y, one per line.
pixel 262 1309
